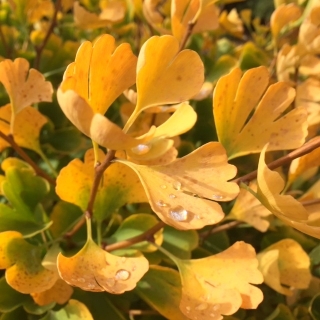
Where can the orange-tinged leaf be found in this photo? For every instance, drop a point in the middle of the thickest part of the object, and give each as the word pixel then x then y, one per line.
pixel 24 86
pixel 235 97
pixel 231 22
pixel 220 284
pixel 175 191
pixel 93 269
pixel 120 186
pixel 285 263
pixel 249 209
pixel 26 127
pixel 270 184
pixel 23 263
pixel 95 125
pixel 101 72
pixel 59 293
pixel 165 75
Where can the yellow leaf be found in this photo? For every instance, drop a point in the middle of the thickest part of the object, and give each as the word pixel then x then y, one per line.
pixel 23 86
pixel 220 284
pixel 94 125
pixel 26 128
pixel 231 23
pixel 282 17
pixel 59 293
pixel 235 98
pixel 165 75
pixel 175 191
pixel 249 209
pixel 120 185
pixel 270 184
pixel 285 263
pixel 23 263
pixel 93 269
pixel 183 12
pixel 101 72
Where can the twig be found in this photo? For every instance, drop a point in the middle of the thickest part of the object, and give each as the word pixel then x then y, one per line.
pixel 222 227
pixel 147 235
pixel 39 49
pixel 309 202
pixel 305 149
pixel 187 34
pixel 99 170
pixel 39 172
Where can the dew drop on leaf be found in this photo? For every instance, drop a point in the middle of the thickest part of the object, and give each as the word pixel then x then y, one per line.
pixel 122 274
pixel 217 196
pixel 81 280
pixel 111 282
pixel 163 186
pixel 172 196
pixel 160 203
pixel 202 306
pixel 176 185
pixel 178 213
pixel 141 149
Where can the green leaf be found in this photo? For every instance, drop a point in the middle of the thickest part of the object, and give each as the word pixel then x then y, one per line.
pixel 135 225
pixel 282 312
pixel 161 289
pixel 31 307
pixel 74 310
pixel 10 299
pixel 252 56
pixel 217 242
pixel 14 315
pixel 221 67
pixel 314 308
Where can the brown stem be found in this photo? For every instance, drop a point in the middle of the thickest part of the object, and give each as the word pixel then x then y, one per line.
pixel 99 170
pixel 222 227
pixel 39 49
pixel 187 34
pixel 141 237
pixel 310 202
pixel 305 149
pixel 24 156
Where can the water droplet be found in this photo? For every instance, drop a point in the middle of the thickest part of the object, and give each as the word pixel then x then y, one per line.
pixel 197 217
pixel 188 308
pixel 163 186
pixel 111 282
pixel 122 274
pixel 202 306
pixel 141 149
pixel 177 185
pixel 123 259
pixel 178 213
pixel 172 196
pixel 216 307
pixel 83 280
pixel 90 286
pixel 160 203
pixel 217 196
pixel 212 315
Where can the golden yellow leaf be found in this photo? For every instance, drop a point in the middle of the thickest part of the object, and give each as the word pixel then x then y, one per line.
pixel 270 185
pixel 93 269
pixel 285 263
pixel 26 127
pixel 23 86
pixel 101 72
pixel 236 96
pixel 94 125
pixel 120 185
pixel 309 66
pixel 231 23
pixel 220 284
pixel 60 293
pixel 204 15
pixel 165 75
pixel 23 263
pixel 249 209
pixel 282 17
pixel 175 191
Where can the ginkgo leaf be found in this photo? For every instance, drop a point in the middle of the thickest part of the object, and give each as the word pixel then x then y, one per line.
pixel 60 293
pixel 24 86
pixel 231 22
pixel 236 96
pixel 95 125
pixel 26 127
pixel 93 269
pixel 120 186
pixel 249 209
pixel 23 263
pixel 270 184
pixel 101 72
pixel 176 191
pixel 220 284
pixel 165 75
pixel 285 263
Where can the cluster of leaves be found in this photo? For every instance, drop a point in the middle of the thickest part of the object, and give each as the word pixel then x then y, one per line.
pixel 135 180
